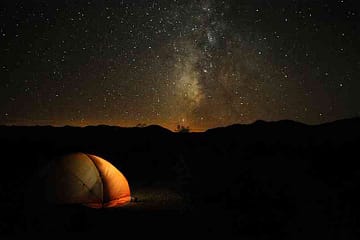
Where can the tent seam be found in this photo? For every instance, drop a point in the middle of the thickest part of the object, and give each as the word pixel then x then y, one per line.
pixel 101 178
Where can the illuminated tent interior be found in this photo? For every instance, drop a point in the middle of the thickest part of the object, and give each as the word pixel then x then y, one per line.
pixel 86 179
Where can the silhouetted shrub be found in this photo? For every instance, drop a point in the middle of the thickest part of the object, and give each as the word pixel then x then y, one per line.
pixel 182 129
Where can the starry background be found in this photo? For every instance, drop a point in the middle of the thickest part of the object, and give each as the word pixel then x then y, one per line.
pixel 201 64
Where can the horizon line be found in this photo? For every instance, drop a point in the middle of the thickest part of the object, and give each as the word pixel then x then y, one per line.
pixel 174 130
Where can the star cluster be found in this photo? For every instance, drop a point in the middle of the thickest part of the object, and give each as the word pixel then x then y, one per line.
pixel 201 64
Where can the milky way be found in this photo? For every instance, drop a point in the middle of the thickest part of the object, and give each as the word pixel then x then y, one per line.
pixel 201 64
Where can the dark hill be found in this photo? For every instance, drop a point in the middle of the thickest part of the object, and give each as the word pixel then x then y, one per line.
pixel 265 180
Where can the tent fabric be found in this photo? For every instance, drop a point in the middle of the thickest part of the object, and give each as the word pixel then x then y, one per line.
pixel 80 178
pixel 116 187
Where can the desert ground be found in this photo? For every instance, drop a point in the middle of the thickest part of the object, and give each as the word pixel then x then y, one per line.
pixel 266 180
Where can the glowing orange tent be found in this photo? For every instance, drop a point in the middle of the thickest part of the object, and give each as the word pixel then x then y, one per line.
pixel 80 178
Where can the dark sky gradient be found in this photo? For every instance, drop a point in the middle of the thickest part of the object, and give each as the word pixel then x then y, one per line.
pixel 202 64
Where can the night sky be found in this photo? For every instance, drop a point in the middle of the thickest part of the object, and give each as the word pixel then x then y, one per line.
pixel 201 64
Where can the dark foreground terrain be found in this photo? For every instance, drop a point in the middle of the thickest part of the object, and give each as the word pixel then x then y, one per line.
pixel 266 180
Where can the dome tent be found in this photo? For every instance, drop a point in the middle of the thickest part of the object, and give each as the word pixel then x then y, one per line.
pixel 80 178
